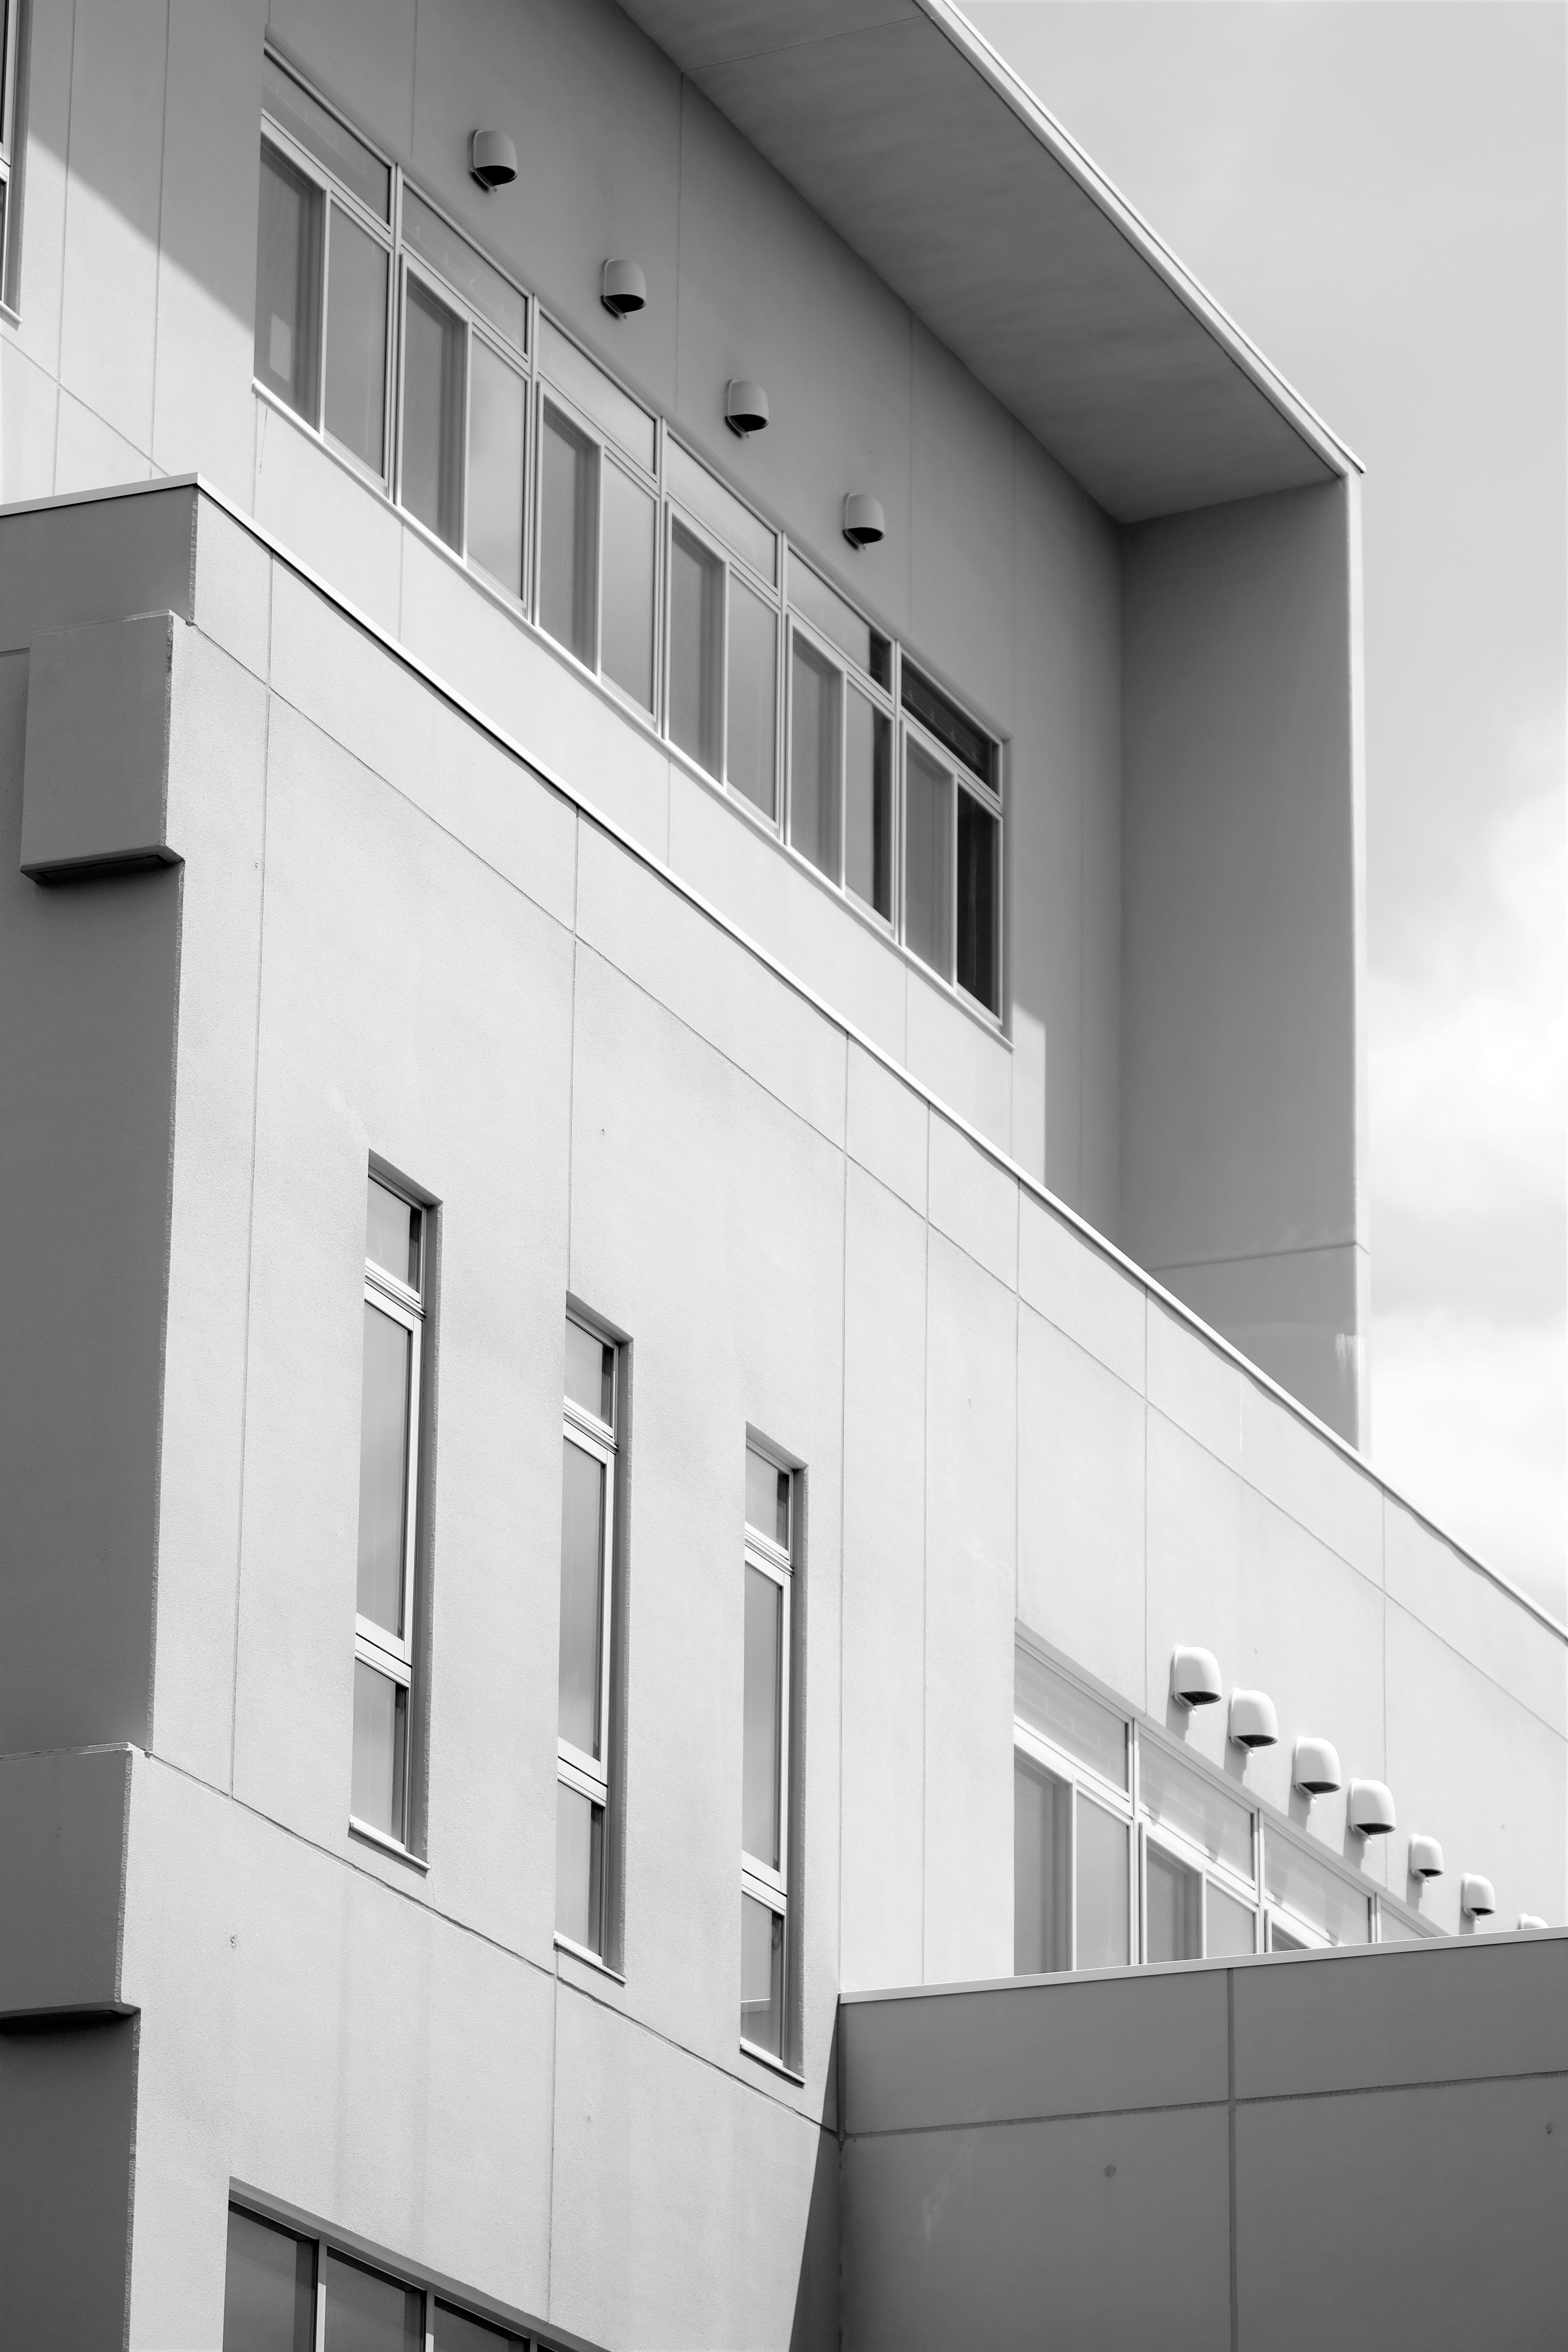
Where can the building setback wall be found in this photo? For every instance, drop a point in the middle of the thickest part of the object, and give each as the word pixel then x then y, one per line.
pixel 393 937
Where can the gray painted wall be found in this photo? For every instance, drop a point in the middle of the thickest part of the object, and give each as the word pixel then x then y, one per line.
pixel 1359 2149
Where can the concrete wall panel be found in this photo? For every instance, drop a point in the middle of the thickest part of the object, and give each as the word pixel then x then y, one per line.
pixel 108 307
pixel 1082 1505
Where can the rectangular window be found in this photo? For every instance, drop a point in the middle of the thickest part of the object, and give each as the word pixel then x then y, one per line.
pixel 598 534
pixel 765 1826
pixel 394 1293
pixel 722 704
pixel 435 400
pixel 11 69
pixel 285 2291
pixel 1322 1907
pixel 590 1452
pixel 840 744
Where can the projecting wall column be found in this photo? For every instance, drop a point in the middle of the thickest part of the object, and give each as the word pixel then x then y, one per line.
pixel 1242 1125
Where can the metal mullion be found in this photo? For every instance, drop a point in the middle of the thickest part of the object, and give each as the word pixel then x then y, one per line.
pixel 466 438
pixel 588 1425
pixel 572 1769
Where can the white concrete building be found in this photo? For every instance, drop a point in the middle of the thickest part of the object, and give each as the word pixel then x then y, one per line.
pixel 684 1159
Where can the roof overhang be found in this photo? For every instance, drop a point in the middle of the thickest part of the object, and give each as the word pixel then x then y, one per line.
pixel 903 129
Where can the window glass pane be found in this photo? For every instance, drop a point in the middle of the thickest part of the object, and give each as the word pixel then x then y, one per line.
pixel 754 688
pixel 590 1373
pixel 456 2332
pixel 356 340
pixel 391 1233
pixel 613 410
pixel 762 1976
pixel 978 890
pixel 928 860
pixel 433 364
pixel 720 511
pixel 567 536
pixel 1102 1896
pixel 579 1867
pixel 1392 1930
pixel 323 136
pixel 468 271
pixel 760 1808
pixel 626 644
pixel 838 621
pixel 1232 1925
pixel 868 803
pixel 368 2312
pixel 498 409
pixel 288 285
pixel 582 1532
pixel 380 1752
pixel 816 691
pixel 696 634
pixel 1281 1940
pixel 1069 1718
pixel 967 742
pixel 269 2288
pixel 383 1469
pixel 767 1498
pixel 1173 1923
pixel 1042 1898
pixel 1297 1882
pixel 1185 1800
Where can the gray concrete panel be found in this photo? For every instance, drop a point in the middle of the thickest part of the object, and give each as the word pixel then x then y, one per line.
pixel 109 298
pixel 68 2096
pixel 96 775
pixel 99 561
pixel 62 1836
pixel 1088 1298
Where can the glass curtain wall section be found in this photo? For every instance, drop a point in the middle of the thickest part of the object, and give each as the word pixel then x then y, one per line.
pixel 590 1451
pixel 394 1277
pixel 768 1585
pixel 288 2292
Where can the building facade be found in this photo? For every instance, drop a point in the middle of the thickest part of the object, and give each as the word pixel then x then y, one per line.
pixel 682 1034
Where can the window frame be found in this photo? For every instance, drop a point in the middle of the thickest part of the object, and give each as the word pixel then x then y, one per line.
pixel 731 564
pixel 770 1887
pixel 511 2335
pixel 1088 1787
pixel 15 26
pixel 547 391
pixel 988 797
pixel 376 1645
pixel 477 328
pixel 594 1777
pixel 852 679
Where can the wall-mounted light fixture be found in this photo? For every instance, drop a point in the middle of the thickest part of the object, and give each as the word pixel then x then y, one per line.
pixel 1315 1768
pixel 745 406
pixel 492 158
pixel 1426 1858
pixel 864 522
pixel 1371 1809
pixel 1195 1678
pixel 1477 1898
pixel 623 288
pixel 1529 1919
pixel 1253 1720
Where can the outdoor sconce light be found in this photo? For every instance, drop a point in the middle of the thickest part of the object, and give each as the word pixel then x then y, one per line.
pixel 745 406
pixel 1194 1679
pixel 492 158
pixel 1371 1810
pixel 1477 1899
pixel 623 288
pixel 1529 1919
pixel 864 522
pixel 1316 1768
pixel 1253 1722
pixel 1426 1858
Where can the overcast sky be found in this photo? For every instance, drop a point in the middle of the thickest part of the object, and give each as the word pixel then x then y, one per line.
pixel 1377 190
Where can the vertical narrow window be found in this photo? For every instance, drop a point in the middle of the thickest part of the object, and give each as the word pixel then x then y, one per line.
pixel 1042 1870
pixel 366 2311
pixel 953 842
pixel 815 743
pixel 269 2288
pixel 288 285
pixel 1173 1907
pixel 928 859
pixel 10 149
pixel 868 803
pixel 568 535
pixel 768 1580
pixel 630 529
pixel 498 409
pixel 750 754
pixel 695 648
pixel 1072 1825
pixel 434 401
pixel 355 411
pixel 394 1281
pixel 590 1445
pixel 979 892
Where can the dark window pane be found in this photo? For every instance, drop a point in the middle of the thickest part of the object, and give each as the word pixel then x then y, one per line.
pixel 433 369
pixel 928 860
pixel 760 1808
pixel 696 639
pixel 762 1976
pixel 767 1497
pixel 568 530
pixel 456 2332
pixel 1103 1900
pixel 455 259
pixel 582 1533
pixel 753 697
pixel 323 136
pixel 356 340
pixel 497 403
pixel 816 701
pixel 943 720
pixel 288 285
pixel 368 2312
pixel 1042 1859
pixel 590 1373
pixel 1173 1908
pixel 625 632
pixel 383 1469
pixel 380 1752
pixel 839 623
pixel 978 879
pixel 392 1230
pixel 269 2289
pixel 579 1867
pixel 868 803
